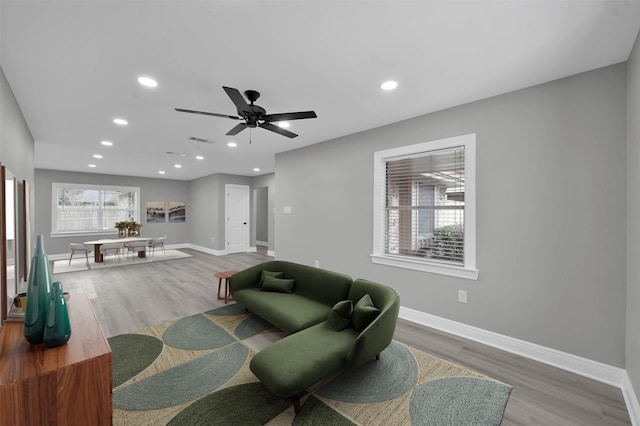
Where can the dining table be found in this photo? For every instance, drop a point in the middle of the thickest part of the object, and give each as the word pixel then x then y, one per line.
pixel 97 256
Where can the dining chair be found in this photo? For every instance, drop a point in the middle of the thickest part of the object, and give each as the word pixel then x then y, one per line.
pixel 157 242
pixel 80 248
pixel 134 247
pixel 111 249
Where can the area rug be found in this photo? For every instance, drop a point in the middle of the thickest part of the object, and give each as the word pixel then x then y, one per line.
pixel 80 263
pixel 195 371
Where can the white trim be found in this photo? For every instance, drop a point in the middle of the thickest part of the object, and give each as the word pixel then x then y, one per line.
pixel 252 249
pixel 261 243
pixel 271 253
pixel 585 367
pixel 379 256
pixel 631 399
pixel 419 265
pixel 207 250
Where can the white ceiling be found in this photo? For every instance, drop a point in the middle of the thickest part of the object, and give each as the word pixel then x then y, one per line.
pixel 73 67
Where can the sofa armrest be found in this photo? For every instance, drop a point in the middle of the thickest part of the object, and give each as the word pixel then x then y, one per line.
pixel 376 336
pixel 247 278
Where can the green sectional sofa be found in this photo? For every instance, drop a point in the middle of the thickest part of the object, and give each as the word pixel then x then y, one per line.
pixel 335 323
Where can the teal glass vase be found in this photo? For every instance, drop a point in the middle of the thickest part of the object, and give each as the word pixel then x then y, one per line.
pixel 38 294
pixel 57 328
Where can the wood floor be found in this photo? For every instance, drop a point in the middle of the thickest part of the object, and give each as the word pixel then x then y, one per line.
pixel 131 297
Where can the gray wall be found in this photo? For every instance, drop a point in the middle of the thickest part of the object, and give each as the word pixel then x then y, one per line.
pixel 16 148
pixel 633 213
pixel 267 181
pixel 150 190
pixel 551 185
pixel 262 209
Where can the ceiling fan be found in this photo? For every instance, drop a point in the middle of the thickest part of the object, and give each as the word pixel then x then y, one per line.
pixel 254 115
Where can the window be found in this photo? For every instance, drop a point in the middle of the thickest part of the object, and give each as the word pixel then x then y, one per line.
pixel 424 207
pixel 92 209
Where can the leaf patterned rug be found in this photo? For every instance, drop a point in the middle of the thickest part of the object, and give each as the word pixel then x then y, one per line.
pixel 195 371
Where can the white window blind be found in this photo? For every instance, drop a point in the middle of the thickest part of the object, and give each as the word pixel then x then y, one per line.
pixel 425 205
pixel 86 209
pixel 424 210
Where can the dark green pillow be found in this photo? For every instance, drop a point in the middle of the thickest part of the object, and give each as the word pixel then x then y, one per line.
pixel 278 285
pixel 340 315
pixel 364 312
pixel 269 273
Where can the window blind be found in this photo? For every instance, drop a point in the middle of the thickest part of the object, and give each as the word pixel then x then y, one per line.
pixel 425 205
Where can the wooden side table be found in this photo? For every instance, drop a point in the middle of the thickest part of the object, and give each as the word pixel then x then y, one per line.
pixel 224 275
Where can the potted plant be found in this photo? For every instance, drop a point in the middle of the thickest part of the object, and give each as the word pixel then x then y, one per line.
pixel 133 228
pixel 122 228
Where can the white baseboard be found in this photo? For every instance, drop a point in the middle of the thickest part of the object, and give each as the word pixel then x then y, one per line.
pixel 207 250
pixel 631 399
pixel 271 253
pixel 252 249
pixel 261 243
pixel 585 367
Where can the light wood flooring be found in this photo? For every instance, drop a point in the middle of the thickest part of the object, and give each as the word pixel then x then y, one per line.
pixel 132 297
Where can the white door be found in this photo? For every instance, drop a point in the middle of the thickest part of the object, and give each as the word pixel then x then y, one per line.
pixel 237 212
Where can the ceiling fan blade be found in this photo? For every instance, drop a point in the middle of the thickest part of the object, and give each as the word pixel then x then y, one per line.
pixel 237 99
pixel 280 130
pixel 237 129
pixel 288 116
pixel 233 117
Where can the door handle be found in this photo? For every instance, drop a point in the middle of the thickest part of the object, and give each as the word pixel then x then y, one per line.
pixel 245 223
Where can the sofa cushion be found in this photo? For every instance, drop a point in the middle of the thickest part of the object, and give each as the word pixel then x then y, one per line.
pixel 364 312
pixel 340 315
pixel 279 285
pixel 289 312
pixel 292 364
pixel 265 274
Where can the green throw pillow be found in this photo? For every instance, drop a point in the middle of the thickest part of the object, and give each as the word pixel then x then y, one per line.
pixel 278 285
pixel 269 273
pixel 364 312
pixel 340 315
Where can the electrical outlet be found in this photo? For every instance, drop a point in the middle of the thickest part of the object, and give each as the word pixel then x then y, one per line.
pixel 317 263
pixel 462 296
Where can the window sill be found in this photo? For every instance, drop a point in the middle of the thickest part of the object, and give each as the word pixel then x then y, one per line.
pixel 418 265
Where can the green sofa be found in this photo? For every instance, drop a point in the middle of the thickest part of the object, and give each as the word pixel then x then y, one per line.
pixel 323 340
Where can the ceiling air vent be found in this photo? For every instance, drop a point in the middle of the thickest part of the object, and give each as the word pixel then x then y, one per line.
pixel 193 138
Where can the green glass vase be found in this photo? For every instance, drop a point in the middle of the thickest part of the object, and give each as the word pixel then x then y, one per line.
pixel 57 328
pixel 38 294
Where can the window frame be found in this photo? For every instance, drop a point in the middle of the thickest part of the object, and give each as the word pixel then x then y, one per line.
pixel 55 186
pixel 468 269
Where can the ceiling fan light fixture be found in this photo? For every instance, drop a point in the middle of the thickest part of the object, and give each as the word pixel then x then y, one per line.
pixel 120 121
pixel 283 124
pixel 389 85
pixel 232 144
pixel 147 81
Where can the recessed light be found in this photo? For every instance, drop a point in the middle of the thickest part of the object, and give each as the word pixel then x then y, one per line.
pixel 255 169
pixel 199 157
pixel 97 156
pixel 177 166
pixel 283 124
pixel 161 172
pixel 389 85
pixel 92 165
pixel 106 143
pixel 120 121
pixel 147 81
pixel 232 144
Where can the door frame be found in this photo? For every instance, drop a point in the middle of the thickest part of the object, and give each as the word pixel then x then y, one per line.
pixel 247 213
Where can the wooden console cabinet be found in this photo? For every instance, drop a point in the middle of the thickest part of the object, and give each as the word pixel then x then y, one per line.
pixel 66 385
